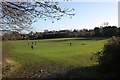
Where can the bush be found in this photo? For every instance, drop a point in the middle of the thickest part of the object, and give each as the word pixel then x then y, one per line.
pixel 109 57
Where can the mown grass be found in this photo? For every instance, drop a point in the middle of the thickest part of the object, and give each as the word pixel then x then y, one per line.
pixel 56 51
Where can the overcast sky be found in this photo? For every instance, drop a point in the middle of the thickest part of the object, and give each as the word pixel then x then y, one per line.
pixel 88 15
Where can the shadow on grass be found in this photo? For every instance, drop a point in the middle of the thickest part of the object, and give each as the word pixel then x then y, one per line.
pixel 91 72
pixel 87 73
pixel 83 73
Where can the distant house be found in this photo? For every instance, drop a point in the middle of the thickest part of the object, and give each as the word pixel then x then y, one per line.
pixel 25 36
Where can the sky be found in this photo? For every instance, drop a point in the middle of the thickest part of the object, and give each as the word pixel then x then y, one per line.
pixel 88 15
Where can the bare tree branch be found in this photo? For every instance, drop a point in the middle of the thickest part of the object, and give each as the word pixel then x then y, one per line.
pixel 20 15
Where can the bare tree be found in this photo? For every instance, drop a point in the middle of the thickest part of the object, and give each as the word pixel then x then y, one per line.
pixel 19 16
pixel 105 24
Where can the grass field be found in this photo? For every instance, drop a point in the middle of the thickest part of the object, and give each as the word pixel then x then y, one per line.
pixel 54 51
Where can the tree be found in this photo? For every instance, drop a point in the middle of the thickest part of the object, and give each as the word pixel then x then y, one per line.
pixel 18 16
pixel 97 31
pixel 110 31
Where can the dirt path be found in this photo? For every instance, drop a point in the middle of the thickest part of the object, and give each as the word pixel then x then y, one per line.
pixel 8 67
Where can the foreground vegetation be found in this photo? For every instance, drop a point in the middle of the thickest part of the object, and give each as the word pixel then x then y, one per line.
pixel 109 58
pixel 50 56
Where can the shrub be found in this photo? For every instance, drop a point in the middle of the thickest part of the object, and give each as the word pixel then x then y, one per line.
pixel 109 57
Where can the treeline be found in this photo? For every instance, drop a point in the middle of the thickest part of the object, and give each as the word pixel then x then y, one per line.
pixel 107 31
